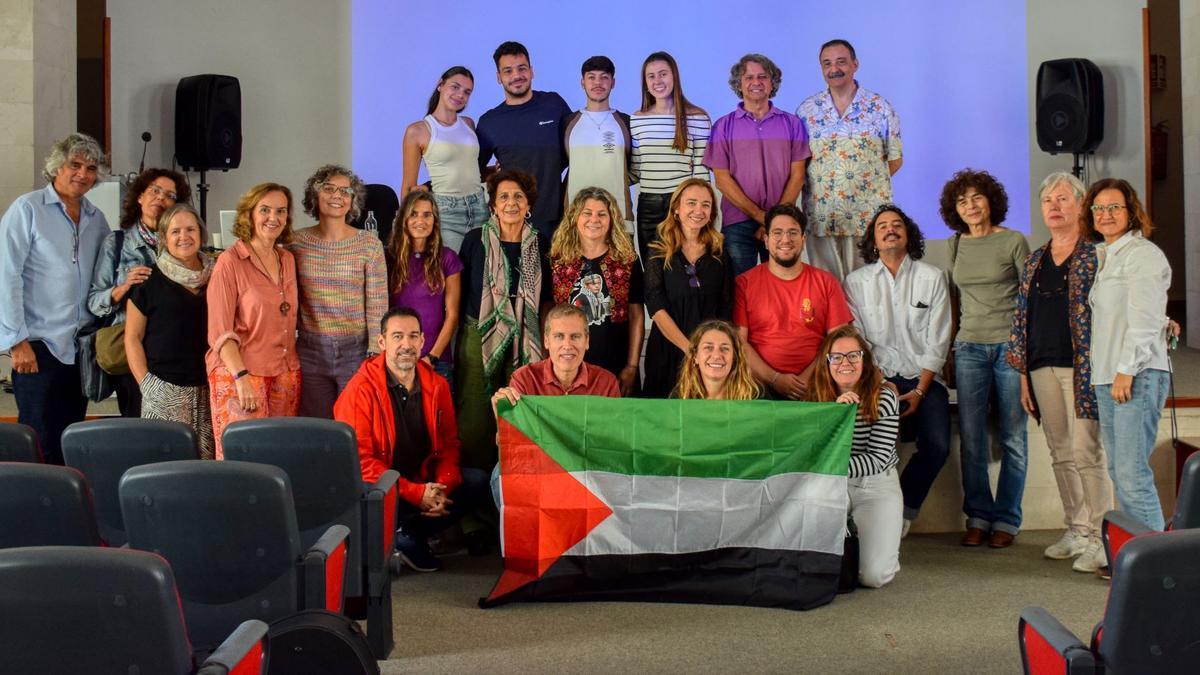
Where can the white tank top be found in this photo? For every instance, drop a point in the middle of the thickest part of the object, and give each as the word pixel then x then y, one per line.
pixel 452 158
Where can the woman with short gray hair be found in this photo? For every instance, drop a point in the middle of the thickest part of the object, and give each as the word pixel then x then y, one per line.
pixel 1051 347
pixel 343 288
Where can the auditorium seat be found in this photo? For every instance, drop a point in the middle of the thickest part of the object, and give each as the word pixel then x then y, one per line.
pixel 320 457
pixel 104 449
pixel 18 443
pixel 1119 527
pixel 44 505
pixel 104 610
pixel 228 529
pixel 1151 622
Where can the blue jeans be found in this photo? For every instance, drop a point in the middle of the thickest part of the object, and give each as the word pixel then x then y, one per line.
pixel 981 369
pixel 929 426
pixel 1128 431
pixel 460 215
pixel 327 363
pixel 744 250
pixel 49 400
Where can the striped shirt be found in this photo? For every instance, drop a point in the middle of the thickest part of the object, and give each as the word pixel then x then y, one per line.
pixel 343 284
pixel 658 167
pixel 874 448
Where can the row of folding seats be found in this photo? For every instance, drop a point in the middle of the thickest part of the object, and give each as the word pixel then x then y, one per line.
pixel 288 492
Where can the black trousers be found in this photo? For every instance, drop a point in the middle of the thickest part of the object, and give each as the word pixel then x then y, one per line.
pixel 49 400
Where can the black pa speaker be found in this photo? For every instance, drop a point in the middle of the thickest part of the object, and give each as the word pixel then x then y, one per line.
pixel 208 122
pixel 1070 106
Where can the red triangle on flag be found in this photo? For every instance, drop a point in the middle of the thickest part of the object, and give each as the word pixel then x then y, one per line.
pixel 546 510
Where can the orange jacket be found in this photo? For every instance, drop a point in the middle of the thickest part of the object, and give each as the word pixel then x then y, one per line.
pixel 366 405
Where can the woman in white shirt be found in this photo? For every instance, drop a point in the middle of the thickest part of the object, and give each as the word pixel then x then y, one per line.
pixel 1130 370
pixel 445 140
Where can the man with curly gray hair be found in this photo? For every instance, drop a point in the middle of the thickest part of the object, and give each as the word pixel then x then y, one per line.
pixel 757 154
pixel 49 240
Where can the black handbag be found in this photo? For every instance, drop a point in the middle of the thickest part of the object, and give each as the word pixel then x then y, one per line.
pixel 318 642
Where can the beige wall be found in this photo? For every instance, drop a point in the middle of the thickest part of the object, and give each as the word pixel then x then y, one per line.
pixel 293 62
pixel 1189 42
pixel 37 88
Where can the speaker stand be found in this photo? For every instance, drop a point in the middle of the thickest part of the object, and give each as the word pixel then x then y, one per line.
pixel 1076 169
pixel 202 189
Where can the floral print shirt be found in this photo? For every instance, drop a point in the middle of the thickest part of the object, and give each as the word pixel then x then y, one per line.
pixel 848 176
pixel 1081 273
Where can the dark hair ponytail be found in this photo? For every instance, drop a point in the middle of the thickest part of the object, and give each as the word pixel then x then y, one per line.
pixel 436 95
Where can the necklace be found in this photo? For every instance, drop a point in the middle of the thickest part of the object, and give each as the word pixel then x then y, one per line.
pixel 604 115
pixel 284 305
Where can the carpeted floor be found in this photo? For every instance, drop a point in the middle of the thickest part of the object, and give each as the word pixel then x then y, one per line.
pixel 951 609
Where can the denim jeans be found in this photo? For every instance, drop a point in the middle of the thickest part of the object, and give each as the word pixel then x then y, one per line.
pixel 49 400
pixel 328 363
pixel 651 210
pixel 929 426
pixel 744 250
pixel 981 369
pixel 1128 431
pixel 460 215
pixel 468 495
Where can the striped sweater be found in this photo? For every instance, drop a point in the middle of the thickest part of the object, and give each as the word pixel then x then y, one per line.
pixel 874 448
pixel 343 284
pixel 658 167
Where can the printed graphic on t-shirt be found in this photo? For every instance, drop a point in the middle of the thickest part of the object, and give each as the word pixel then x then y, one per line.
pixel 591 295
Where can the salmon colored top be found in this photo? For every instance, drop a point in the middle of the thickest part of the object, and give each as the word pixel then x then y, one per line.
pixel 246 306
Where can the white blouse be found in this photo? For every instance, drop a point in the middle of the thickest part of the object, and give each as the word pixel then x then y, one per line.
pixel 1129 309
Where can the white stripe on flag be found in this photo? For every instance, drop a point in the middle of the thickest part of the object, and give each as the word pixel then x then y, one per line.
pixel 660 514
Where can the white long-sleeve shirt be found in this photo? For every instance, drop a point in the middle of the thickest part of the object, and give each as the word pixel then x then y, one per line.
pixel 1129 309
pixel 905 318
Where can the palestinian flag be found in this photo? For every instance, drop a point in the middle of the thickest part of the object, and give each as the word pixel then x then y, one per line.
pixel 664 500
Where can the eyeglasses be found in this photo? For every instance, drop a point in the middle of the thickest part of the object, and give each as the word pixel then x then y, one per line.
pixel 1111 208
pixel 693 280
pixel 836 358
pixel 1050 292
pixel 329 190
pixel 159 192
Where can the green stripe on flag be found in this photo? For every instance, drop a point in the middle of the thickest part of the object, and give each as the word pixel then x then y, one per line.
pixel 699 439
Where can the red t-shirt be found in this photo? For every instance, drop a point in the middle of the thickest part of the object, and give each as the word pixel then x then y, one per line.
pixel 786 320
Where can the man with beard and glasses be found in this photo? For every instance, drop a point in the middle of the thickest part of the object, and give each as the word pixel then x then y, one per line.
pixel 404 420
pixel 525 133
pixel 902 307
pixel 597 139
pixel 855 139
pixel 783 308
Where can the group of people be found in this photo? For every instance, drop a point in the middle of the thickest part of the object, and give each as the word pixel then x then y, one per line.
pixel 503 281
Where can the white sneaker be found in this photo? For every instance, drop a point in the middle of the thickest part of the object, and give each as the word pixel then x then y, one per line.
pixel 904 528
pixel 1093 557
pixel 1068 546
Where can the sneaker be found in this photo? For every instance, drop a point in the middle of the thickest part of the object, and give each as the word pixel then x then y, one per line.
pixel 416 553
pixel 904 528
pixel 1069 545
pixel 1093 557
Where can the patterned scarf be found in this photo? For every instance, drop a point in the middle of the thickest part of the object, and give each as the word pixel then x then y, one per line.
pixel 503 326
pixel 176 271
pixel 148 235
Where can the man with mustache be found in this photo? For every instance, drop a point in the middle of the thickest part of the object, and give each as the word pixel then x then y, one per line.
pixel 783 308
pixel 404 420
pixel 855 138
pixel 902 307
pixel 49 241
pixel 525 132
pixel 597 139
pixel 757 154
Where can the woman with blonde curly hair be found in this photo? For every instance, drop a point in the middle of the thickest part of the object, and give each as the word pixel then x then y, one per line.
pixel 689 280
pixel 595 267
pixel 715 366
pixel 426 276
pixel 253 370
pixel 847 374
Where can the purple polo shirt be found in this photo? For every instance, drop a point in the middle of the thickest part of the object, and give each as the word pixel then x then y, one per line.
pixel 757 153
